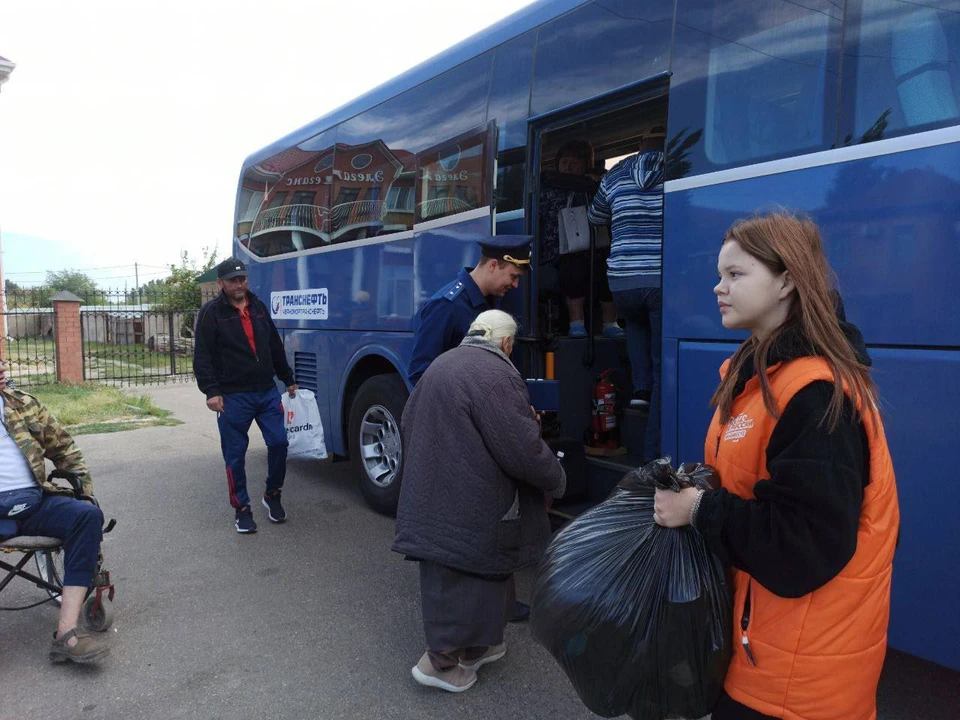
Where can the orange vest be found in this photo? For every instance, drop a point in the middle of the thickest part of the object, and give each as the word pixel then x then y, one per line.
pixel 817 657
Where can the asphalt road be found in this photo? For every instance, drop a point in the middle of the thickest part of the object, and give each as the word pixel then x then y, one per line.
pixel 315 618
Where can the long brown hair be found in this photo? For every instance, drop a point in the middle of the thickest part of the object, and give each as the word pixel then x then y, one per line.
pixel 785 242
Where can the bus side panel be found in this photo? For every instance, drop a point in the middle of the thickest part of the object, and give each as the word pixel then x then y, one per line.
pixel 699 376
pixel 919 397
pixel 373 293
pixel 891 229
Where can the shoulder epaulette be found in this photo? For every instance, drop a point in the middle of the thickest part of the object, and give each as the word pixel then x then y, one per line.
pixel 451 292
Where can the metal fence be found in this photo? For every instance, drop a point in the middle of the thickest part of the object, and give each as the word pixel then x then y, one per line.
pixel 27 343
pixel 127 338
pixel 132 339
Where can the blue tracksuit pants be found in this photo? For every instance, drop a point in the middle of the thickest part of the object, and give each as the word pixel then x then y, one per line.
pixel 79 525
pixel 239 410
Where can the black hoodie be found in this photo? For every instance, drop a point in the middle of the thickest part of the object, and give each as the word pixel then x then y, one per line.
pixel 801 529
pixel 223 360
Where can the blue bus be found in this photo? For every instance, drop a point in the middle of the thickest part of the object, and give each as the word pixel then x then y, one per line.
pixel 848 111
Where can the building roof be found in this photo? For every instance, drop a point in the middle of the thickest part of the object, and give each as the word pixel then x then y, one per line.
pixel 208 276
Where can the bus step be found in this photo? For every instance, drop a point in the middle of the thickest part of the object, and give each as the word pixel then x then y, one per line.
pixel 603 474
pixel 633 424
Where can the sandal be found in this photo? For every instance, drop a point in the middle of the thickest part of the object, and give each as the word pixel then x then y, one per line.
pixel 87 649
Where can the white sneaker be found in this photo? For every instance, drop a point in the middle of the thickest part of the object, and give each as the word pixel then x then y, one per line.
pixel 456 679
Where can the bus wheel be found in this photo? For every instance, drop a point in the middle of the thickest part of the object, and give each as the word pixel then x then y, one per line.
pixel 375 445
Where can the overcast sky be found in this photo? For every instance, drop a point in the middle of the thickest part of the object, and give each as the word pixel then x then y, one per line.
pixel 124 124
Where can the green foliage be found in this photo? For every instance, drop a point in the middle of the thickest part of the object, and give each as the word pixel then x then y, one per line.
pixel 180 290
pixel 79 283
pixel 18 296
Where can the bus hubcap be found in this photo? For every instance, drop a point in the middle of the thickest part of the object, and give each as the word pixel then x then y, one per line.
pixel 380 445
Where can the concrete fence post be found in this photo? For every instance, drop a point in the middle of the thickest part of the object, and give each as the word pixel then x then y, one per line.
pixel 67 337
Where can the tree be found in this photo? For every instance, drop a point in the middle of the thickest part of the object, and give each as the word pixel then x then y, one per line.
pixel 80 284
pixel 182 291
pixel 18 296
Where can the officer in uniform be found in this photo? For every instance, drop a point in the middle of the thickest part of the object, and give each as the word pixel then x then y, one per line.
pixel 445 318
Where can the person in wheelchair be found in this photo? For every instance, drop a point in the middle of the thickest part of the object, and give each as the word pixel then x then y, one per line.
pixel 32 505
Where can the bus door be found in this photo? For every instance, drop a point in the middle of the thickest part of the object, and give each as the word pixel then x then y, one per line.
pixel 574 314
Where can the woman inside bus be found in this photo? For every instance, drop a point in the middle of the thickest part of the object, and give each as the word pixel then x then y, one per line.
pixel 807 514
pixel 570 182
pixel 472 508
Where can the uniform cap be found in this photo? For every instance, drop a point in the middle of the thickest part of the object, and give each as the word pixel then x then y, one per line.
pixel 231 268
pixel 510 248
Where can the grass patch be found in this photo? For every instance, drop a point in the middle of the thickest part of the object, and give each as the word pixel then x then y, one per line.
pixel 94 408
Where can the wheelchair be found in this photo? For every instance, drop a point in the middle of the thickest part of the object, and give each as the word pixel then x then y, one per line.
pixel 47 554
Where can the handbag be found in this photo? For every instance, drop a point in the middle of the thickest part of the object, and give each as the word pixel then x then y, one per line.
pixel 574 229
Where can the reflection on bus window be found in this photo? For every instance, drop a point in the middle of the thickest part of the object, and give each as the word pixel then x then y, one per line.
pixel 364 176
pixel 453 178
pixel 599 47
pixel 782 106
pixel 901 68
pixel 753 80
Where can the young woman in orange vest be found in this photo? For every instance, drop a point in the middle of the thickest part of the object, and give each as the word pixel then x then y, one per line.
pixel 807 515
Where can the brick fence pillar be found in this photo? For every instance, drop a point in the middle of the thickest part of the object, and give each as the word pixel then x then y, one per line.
pixel 66 336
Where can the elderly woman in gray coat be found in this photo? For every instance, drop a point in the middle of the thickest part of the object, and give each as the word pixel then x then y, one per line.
pixel 472 507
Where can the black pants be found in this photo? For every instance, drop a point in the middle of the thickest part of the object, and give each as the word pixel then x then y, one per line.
pixel 729 709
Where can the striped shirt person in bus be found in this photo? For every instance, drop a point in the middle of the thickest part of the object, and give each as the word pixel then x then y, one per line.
pixel 630 200
pixel 237 353
pixel 444 319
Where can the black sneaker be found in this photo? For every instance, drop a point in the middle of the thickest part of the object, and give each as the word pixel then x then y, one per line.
pixel 271 501
pixel 245 523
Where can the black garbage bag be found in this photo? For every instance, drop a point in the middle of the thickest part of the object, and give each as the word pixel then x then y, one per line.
pixel 637 615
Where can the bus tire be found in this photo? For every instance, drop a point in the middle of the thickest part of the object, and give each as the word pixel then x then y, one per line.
pixel 376 448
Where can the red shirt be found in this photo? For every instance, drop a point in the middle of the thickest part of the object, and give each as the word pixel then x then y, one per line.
pixel 248 326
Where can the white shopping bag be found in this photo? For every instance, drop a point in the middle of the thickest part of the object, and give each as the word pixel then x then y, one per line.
pixel 304 429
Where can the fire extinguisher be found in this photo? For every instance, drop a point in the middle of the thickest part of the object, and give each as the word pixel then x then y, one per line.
pixel 604 421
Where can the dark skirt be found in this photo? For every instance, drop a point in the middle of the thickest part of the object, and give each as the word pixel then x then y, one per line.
pixel 462 610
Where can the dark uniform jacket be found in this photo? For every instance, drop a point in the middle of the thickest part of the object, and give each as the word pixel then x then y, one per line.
pixel 444 320
pixel 475 469
pixel 223 360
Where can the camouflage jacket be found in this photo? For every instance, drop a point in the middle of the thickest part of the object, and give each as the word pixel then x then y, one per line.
pixel 39 435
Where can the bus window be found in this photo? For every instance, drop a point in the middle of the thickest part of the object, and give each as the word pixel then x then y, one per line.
pixel 900 71
pixel 294 191
pixel 509 107
pixel 363 178
pixel 453 177
pixel 600 47
pixel 375 169
pixel 758 80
